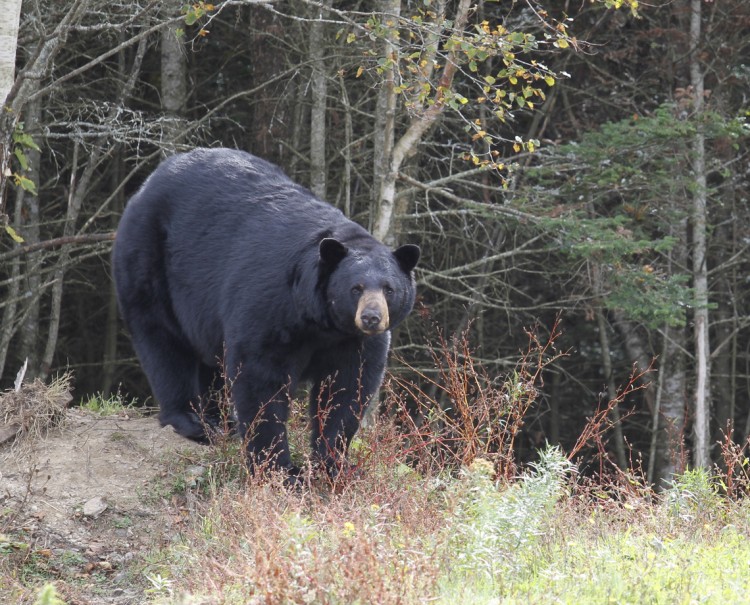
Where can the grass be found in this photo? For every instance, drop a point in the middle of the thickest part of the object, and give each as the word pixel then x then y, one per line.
pixel 465 539
pixel 461 541
pixel 653 558
pixel 440 512
pixel 109 405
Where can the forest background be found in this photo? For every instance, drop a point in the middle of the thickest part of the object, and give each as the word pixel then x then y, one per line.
pixel 586 161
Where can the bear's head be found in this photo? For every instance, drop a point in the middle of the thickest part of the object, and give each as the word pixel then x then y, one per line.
pixel 369 290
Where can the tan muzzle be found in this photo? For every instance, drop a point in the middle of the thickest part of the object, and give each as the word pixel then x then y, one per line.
pixel 372 312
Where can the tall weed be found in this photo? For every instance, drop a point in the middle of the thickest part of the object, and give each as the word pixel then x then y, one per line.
pixel 494 528
pixel 460 413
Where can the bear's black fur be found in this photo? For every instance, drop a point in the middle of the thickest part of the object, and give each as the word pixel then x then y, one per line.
pixel 221 258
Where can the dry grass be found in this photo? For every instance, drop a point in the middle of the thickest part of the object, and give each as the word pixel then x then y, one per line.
pixel 34 409
pixel 262 544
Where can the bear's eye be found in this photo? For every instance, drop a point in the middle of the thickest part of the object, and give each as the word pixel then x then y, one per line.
pixel 388 291
pixel 357 290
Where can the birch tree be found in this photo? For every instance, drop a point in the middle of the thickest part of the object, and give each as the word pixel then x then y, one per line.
pixel 11 15
pixel 702 400
pixel 424 118
pixel 319 90
pixel 11 11
pixel 174 81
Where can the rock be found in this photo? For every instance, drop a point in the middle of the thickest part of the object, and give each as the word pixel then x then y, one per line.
pixel 94 507
pixel 195 470
pixel 194 474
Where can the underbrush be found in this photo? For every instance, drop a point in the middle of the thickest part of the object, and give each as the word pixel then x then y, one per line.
pixel 400 536
pixel 386 537
pixel 439 511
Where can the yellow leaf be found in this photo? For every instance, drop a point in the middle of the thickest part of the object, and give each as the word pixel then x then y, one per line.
pixel 24 183
pixel 549 80
pixel 360 70
pixel 562 43
pixel 12 232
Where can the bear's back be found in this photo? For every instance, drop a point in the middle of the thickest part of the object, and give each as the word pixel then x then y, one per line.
pixel 235 191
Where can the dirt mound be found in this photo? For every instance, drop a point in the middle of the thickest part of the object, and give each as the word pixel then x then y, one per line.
pixel 84 504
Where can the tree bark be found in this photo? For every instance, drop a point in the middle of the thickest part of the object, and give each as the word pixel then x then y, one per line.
pixel 418 127
pixel 385 112
pixel 622 460
pixel 670 414
pixel 75 199
pixel 668 458
pixel 10 320
pixel 319 91
pixel 702 399
pixel 30 328
pixel 347 150
pixel 11 16
pixel 11 12
pixel 174 89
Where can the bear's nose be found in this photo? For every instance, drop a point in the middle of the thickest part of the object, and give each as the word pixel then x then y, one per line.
pixel 371 319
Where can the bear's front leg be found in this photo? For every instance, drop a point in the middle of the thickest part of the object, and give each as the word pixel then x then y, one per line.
pixel 345 381
pixel 262 409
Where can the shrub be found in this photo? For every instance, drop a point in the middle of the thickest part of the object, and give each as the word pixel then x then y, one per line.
pixel 494 527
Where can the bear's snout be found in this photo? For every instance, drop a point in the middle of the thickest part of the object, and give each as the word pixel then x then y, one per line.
pixel 372 313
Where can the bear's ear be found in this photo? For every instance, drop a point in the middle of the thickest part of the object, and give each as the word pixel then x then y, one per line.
pixel 407 256
pixel 332 251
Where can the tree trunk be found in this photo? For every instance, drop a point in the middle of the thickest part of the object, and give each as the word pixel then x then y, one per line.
pixel 30 328
pixel 622 460
pixel 554 407
pixel 267 62
pixel 668 457
pixel 319 90
pixel 418 127
pixel 385 113
pixel 11 12
pixel 702 400
pixel 670 412
pixel 111 328
pixel 11 16
pixel 16 97
pixel 75 199
pixel 639 353
pixel 724 382
pixel 10 304
pixel 347 150
pixel 174 74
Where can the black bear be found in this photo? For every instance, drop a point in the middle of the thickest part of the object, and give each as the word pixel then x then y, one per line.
pixel 222 260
